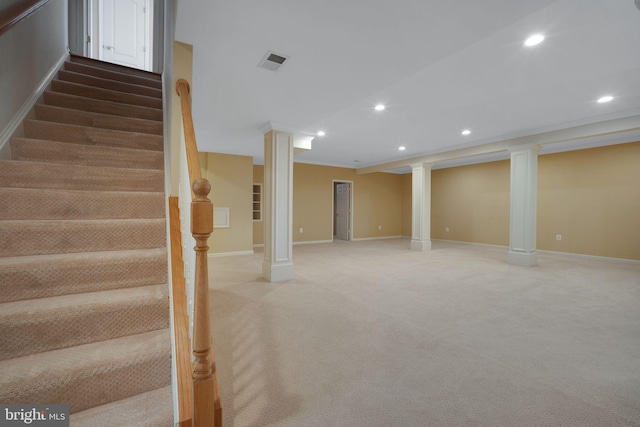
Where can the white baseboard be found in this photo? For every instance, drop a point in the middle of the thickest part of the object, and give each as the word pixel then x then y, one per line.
pixel 221 254
pixel 21 114
pixel 357 239
pixel 597 257
pixel 470 243
pixel 542 251
pixel 313 242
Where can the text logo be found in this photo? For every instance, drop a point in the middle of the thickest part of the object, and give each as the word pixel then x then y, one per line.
pixel 34 415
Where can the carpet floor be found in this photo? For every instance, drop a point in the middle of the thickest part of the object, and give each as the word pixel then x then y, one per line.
pixel 370 333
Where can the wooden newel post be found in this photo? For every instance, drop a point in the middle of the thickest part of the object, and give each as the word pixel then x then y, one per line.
pixel 204 408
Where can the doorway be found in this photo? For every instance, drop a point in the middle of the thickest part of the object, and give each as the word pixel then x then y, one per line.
pixel 121 32
pixel 342 219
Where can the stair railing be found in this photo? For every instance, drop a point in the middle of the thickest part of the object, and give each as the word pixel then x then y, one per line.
pixel 206 409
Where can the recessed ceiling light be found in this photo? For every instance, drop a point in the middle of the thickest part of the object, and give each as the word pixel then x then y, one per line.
pixel 605 99
pixel 379 107
pixel 321 133
pixel 534 40
pixel 402 148
pixel 466 132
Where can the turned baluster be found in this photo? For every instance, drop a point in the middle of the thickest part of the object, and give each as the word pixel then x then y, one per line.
pixel 203 367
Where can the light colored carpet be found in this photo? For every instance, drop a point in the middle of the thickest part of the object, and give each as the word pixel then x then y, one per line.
pixel 373 334
pixel 84 304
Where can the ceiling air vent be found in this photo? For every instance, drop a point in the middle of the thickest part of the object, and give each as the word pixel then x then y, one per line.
pixel 272 61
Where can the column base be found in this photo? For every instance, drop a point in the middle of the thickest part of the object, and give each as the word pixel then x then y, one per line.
pixel 523 259
pixel 420 245
pixel 277 272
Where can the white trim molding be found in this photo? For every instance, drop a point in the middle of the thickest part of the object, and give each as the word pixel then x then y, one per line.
pixel 224 254
pixel 221 218
pixel 21 114
pixel 585 256
pixel 357 239
pixel 471 243
pixel 312 242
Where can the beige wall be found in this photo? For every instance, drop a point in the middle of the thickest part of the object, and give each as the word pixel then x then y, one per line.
pixel 231 180
pixel 182 69
pixel 592 198
pixel 377 201
pixel 473 201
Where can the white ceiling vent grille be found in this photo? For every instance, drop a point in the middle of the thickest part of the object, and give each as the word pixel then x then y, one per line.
pixel 273 61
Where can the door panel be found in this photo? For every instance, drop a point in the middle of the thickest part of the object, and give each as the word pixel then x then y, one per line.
pixel 123 32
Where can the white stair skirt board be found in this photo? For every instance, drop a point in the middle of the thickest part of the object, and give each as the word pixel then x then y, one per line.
pixel 277 272
pixel 21 114
pixel 221 254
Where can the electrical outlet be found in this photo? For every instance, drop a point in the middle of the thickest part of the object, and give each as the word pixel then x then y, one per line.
pixel 446 229
pixel 301 230
pixel 558 236
pixel 379 227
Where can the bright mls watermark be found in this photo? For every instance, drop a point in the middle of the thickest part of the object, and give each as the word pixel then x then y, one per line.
pixel 34 415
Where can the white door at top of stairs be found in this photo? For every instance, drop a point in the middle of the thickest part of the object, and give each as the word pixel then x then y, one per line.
pixel 125 32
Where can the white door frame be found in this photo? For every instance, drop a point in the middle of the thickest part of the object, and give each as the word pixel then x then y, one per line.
pixel 333 207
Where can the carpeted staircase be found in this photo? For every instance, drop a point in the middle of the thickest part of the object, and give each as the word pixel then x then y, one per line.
pixel 84 303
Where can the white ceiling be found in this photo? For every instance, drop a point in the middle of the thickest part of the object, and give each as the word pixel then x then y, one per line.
pixel 439 66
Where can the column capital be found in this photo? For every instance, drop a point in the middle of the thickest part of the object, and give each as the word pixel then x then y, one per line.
pixel 525 147
pixel 276 127
pixel 421 165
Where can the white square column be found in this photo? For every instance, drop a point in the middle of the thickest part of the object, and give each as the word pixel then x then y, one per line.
pixel 421 206
pixel 524 194
pixel 278 206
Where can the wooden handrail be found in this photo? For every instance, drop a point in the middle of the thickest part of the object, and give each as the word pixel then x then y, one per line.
pixel 206 408
pixel 18 12
pixel 180 319
pixel 184 91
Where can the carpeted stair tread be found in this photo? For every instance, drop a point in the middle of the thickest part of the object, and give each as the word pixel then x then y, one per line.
pixel 19 238
pixel 51 113
pixel 76 134
pixel 77 67
pixel 41 276
pixel 18 174
pixel 38 150
pixel 105 94
pixel 30 203
pixel 151 409
pixel 90 374
pixel 98 106
pixel 84 299
pixel 44 324
pixel 114 85
pixel 115 67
